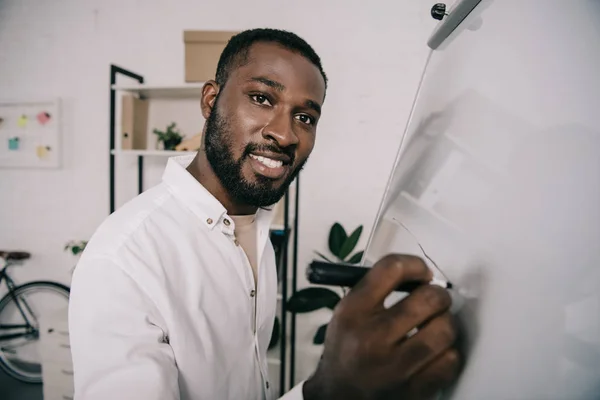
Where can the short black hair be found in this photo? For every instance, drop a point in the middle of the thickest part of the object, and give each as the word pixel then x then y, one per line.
pixel 235 53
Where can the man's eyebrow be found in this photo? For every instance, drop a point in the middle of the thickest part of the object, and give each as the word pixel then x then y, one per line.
pixel 280 87
pixel 314 105
pixel 275 85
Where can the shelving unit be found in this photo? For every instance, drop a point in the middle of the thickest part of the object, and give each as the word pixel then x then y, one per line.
pixel 284 234
pixel 183 91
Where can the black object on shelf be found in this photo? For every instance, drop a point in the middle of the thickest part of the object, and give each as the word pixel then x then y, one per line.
pixel 279 239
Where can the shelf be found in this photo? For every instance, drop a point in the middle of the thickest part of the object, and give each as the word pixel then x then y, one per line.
pixel 157 153
pixel 183 91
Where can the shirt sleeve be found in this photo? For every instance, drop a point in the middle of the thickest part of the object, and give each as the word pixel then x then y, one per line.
pixel 295 393
pixel 118 347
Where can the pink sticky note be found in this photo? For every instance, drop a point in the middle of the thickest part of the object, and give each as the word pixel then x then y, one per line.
pixel 43 117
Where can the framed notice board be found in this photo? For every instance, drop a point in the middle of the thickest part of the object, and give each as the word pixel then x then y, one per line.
pixel 30 134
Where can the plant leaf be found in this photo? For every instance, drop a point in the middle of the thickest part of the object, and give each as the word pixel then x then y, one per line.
pixel 322 256
pixel 350 243
pixel 337 237
pixel 311 299
pixel 355 259
pixel 320 335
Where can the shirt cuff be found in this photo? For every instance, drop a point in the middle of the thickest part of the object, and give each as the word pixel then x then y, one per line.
pixel 295 393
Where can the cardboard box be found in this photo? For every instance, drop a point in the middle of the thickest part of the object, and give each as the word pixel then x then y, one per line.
pixel 134 123
pixel 202 52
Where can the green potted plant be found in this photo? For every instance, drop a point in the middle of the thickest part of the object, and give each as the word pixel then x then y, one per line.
pixel 76 247
pixel 170 138
pixel 341 246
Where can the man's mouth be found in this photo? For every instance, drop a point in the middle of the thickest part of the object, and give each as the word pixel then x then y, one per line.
pixel 273 167
pixel 269 162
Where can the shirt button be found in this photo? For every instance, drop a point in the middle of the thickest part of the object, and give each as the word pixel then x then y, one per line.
pixel 226 222
pixel 252 293
pixel 209 221
pixel 267 385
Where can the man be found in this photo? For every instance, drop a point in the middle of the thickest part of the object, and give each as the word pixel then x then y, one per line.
pixel 175 294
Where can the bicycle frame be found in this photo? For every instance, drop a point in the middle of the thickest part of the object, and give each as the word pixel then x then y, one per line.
pixel 26 329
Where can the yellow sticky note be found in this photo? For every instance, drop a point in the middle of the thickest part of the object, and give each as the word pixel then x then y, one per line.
pixel 22 121
pixel 42 151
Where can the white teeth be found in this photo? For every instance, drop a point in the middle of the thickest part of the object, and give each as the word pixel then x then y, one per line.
pixel 269 162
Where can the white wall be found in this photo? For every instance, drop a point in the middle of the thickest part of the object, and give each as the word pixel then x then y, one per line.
pixel 372 51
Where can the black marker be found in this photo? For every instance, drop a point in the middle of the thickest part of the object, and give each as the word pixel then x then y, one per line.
pixel 332 274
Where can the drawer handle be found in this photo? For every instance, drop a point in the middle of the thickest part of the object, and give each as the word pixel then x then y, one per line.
pixel 65 397
pixel 65 346
pixel 66 372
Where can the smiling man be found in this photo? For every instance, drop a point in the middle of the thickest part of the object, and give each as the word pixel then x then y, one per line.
pixel 261 123
pixel 175 294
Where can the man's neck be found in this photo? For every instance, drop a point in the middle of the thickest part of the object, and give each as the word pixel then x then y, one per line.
pixel 202 171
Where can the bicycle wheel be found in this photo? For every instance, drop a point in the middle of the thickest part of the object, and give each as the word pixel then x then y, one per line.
pixel 20 312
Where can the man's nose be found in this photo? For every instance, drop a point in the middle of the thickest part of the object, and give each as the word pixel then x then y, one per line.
pixel 280 129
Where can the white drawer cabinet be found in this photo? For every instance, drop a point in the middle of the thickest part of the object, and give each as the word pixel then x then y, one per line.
pixel 55 353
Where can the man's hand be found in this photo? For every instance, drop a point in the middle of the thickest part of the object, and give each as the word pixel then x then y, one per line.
pixel 367 353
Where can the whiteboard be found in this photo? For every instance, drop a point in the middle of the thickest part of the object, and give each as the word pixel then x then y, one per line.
pixel 497 180
pixel 30 134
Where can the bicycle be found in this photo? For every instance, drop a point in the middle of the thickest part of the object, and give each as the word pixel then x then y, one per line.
pixel 20 310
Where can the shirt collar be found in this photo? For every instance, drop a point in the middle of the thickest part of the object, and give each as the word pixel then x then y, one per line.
pixel 198 199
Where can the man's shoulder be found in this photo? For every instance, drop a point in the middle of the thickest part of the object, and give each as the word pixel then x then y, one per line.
pixel 127 224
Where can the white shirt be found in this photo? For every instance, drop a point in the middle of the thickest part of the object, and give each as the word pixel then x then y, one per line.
pixel 162 301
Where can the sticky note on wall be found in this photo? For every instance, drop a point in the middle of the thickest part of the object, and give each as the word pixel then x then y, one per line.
pixel 22 121
pixel 13 143
pixel 43 117
pixel 42 151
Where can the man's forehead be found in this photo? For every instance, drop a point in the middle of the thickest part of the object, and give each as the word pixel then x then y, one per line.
pixel 288 67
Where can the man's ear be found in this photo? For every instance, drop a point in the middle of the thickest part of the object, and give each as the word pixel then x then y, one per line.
pixel 210 90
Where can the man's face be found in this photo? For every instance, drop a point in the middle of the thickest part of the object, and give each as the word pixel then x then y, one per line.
pixel 263 123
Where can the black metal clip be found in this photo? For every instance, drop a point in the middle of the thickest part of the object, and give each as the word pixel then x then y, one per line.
pixel 438 11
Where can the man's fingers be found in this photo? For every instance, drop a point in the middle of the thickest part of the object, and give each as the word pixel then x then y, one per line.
pixel 427 344
pixel 385 276
pixel 436 376
pixel 414 310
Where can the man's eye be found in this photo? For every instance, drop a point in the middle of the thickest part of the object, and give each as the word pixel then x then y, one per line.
pixel 260 99
pixel 306 119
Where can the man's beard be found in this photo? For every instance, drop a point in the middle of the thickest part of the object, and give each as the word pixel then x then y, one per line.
pixel 218 148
